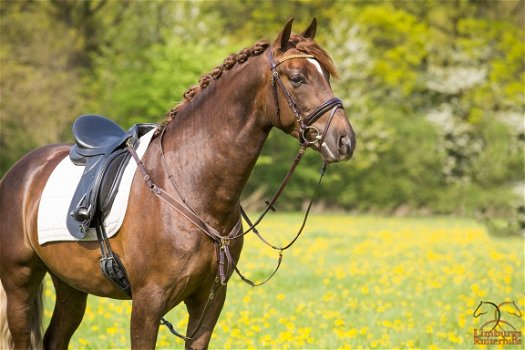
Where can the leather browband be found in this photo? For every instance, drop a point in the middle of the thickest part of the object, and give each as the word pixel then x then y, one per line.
pixel 286 58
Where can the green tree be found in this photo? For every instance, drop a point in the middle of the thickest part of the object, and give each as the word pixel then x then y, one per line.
pixel 433 89
pixel 39 89
pixel 45 54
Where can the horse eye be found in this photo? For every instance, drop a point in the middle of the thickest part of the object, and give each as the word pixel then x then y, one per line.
pixel 297 80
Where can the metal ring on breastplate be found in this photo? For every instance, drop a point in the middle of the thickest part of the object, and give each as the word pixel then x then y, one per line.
pixel 315 139
pixel 225 241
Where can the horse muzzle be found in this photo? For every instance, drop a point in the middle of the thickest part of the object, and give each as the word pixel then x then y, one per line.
pixel 337 148
pixel 336 142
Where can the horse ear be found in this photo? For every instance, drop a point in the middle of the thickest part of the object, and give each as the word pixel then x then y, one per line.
pixel 310 31
pixel 284 35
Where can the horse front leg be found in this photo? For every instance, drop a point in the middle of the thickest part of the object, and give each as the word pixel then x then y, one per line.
pixel 204 313
pixel 147 310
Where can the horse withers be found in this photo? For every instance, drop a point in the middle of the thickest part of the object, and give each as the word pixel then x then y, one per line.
pixel 204 153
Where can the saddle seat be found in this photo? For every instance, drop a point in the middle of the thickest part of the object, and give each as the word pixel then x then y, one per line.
pixel 100 146
pixel 95 135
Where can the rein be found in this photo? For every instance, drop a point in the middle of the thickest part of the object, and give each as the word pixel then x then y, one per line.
pixel 225 260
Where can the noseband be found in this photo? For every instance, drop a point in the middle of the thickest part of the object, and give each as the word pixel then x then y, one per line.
pixel 305 122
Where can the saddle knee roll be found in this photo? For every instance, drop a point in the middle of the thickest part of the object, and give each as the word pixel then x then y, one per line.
pixel 96 191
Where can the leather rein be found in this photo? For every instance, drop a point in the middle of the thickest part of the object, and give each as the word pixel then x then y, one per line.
pixel 222 242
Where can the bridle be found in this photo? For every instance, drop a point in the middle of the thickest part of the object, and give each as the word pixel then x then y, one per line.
pixel 305 122
pixel 222 242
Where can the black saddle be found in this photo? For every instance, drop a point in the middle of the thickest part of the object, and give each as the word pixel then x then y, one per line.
pixel 100 146
pixel 96 135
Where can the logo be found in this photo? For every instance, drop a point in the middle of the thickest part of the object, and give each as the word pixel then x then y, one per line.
pixel 499 322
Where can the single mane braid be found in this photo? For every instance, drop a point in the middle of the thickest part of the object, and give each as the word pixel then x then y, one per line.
pixel 216 73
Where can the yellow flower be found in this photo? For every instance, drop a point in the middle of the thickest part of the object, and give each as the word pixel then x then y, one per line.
pixel 454 338
pixel 236 332
pixel 286 336
pixel 111 330
pixel 351 333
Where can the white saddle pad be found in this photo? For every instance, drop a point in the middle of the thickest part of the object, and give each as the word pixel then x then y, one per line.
pixel 60 187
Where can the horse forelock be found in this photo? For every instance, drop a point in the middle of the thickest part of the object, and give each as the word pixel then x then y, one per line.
pixel 310 47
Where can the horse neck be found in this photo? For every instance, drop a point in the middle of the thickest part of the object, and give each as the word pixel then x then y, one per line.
pixel 213 142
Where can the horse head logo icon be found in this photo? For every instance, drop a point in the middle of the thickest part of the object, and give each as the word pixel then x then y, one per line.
pixel 508 307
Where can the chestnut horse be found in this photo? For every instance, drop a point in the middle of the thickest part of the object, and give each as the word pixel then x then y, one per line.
pixel 211 142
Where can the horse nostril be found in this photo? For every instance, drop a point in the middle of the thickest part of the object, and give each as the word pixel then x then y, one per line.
pixel 345 145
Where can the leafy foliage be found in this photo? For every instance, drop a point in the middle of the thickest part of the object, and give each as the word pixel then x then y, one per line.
pixel 434 90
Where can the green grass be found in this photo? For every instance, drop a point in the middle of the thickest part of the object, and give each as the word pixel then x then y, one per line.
pixel 349 282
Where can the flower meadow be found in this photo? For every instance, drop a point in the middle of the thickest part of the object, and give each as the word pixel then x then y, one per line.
pixel 349 282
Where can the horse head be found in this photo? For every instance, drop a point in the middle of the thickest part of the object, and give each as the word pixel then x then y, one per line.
pixel 306 106
pixel 513 307
pixel 497 314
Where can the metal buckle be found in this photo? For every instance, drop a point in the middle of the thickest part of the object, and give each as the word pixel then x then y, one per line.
pixel 225 242
pixel 316 137
pixel 275 76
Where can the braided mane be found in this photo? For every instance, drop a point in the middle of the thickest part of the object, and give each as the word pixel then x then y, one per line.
pixel 307 46
pixel 216 73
